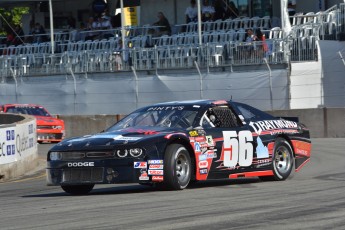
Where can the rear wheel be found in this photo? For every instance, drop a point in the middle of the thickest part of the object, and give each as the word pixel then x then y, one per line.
pixel 77 189
pixel 282 161
pixel 177 167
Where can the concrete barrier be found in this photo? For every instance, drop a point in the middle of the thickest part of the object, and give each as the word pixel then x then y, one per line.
pixel 18 145
pixel 87 124
pixel 322 122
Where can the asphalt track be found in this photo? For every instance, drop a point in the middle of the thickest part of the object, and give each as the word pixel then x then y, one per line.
pixel 313 199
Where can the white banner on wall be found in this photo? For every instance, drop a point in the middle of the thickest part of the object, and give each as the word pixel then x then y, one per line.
pixel 17 142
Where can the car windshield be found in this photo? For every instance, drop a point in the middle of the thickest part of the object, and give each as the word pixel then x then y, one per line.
pixel 159 116
pixel 30 110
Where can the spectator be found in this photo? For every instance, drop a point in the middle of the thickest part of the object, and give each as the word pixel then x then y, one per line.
pixel 164 26
pixel 191 12
pixel 231 11
pixel 9 37
pixel 39 33
pixel 106 25
pixel 250 37
pixel 261 37
pixel 207 11
pixel 219 10
pixel 90 26
pixel 291 7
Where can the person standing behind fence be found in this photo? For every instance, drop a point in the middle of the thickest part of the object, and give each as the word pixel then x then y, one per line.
pixel 163 25
pixel 207 11
pixel 291 9
pixel 259 36
pixel 39 33
pixel 191 12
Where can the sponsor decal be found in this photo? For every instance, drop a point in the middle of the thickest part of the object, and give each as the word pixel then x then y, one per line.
pixel 201 132
pixel 209 141
pixel 156 167
pixel 157 178
pixel 155 162
pixel 281 131
pixel 122 138
pixel 200 139
pixel 197 147
pixel 202 157
pixel 110 136
pixel 10 136
pixel 203 171
pixel 203 164
pixel 140 165
pixel 144 176
pixel 193 133
pixel 211 154
pixel 165 108
pixel 260 126
pixel 155 172
pixel 81 164
pixel 261 150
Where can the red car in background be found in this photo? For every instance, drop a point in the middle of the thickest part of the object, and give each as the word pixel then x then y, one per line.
pixel 49 128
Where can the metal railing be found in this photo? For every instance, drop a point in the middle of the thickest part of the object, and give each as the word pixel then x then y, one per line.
pixel 158 57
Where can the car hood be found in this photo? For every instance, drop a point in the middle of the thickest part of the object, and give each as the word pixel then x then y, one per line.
pixel 118 137
pixel 41 120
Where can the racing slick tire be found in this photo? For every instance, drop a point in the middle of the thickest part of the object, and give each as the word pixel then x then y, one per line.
pixel 282 161
pixel 177 167
pixel 77 189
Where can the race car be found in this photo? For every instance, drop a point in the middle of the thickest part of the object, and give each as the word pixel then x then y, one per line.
pixel 49 128
pixel 172 144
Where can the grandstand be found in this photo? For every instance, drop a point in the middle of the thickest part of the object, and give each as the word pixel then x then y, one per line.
pixel 222 46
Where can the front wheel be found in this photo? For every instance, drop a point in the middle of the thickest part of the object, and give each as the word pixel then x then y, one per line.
pixel 77 189
pixel 177 167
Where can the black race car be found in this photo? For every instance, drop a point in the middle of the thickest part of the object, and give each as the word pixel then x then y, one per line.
pixel 172 144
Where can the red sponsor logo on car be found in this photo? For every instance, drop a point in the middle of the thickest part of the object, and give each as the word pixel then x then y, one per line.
pixel 157 178
pixel 203 164
pixel 155 172
pixel 156 167
pixel 200 139
pixel 143 176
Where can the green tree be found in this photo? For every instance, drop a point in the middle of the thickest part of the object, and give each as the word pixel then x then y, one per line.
pixel 11 16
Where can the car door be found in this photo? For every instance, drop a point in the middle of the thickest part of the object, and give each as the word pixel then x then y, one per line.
pixel 227 145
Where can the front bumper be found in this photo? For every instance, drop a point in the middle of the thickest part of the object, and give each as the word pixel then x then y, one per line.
pixel 50 135
pixel 93 172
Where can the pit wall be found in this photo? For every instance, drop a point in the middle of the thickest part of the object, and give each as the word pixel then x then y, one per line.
pixel 323 122
pixel 18 145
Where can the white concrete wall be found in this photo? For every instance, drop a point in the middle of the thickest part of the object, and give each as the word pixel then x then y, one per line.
pixel 305 86
pixel 321 83
pixel 18 147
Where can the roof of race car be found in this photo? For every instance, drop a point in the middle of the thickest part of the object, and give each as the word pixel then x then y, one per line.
pixel 192 102
pixel 22 105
